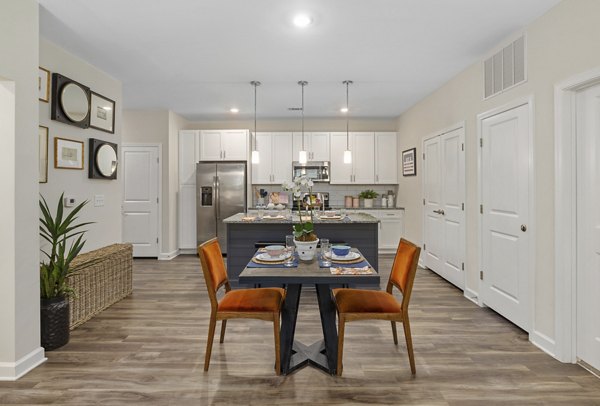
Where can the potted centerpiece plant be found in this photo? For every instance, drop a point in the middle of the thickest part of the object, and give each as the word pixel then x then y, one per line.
pixel 65 240
pixel 305 238
pixel 368 196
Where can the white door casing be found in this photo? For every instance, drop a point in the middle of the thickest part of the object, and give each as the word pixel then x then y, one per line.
pixel 505 173
pixel 444 194
pixel 588 227
pixel 140 207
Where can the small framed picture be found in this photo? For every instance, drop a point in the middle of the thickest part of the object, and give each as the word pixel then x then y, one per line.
pixel 68 154
pixel 409 163
pixel 102 113
pixel 43 155
pixel 43 84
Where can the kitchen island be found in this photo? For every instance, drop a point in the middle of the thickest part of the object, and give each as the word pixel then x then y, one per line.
pixel 359 230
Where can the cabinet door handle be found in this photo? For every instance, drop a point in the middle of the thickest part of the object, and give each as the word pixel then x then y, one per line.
pixel 224 154
pixel 376 178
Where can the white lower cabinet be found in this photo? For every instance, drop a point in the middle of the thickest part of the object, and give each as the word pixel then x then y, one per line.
pixel 391 227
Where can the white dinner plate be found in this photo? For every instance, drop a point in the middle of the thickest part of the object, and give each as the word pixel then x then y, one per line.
pixel 350 257
pixel 263 256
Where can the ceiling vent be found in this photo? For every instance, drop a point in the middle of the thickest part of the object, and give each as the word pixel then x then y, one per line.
pixel 505 69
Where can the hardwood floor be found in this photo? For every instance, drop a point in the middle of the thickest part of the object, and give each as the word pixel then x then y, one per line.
pixel 149 349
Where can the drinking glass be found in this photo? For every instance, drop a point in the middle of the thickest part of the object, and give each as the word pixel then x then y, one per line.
pixel 325 252
pixel 261 213
pixel 289 247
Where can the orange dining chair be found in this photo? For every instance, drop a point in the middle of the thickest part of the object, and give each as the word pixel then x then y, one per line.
pixel 262 304
pixel 359 304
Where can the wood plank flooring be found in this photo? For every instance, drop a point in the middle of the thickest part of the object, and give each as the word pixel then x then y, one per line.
pixel 148 349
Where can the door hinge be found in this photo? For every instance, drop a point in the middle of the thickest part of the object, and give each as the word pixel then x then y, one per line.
pixel 481 275
pixel 423 156
pixel 423 202
pixel 481 142
pixel 462 146
pixel 463 206
pixel 463 266
pixel 157 161
pixel 481 208
pixel 424 247
pixel 157 200
pixel 157 240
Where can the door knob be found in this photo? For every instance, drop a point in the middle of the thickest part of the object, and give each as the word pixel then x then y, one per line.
pixel 439 212
pixel 523 227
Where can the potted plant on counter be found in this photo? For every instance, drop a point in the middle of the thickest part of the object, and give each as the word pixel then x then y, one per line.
pixel 304 232
pixel 54 291
pixel 368 196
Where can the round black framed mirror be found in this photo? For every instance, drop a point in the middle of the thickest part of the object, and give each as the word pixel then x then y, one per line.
pixel 74 102
pixel 106 160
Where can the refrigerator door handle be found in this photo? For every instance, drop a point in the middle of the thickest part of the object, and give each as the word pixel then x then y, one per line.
pixel 216 194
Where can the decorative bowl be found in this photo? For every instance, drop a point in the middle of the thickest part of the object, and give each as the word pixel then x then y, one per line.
pixel 340 250
pixel 274 250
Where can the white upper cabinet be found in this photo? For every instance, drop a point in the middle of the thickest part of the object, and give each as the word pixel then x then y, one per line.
pixel 188 156
pixel 223 145
pixel 362 168
pixel 275 151
pixel 315 143
pixel 386 158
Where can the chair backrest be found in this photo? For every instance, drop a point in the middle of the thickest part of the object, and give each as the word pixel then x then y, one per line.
pixel 404 270
pixel 213 267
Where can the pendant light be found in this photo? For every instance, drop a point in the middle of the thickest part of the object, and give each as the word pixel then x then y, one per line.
pixel 255 155
pixel 347 152
pixel 303 155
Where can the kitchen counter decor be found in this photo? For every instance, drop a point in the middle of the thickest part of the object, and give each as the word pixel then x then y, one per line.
pixel 305 238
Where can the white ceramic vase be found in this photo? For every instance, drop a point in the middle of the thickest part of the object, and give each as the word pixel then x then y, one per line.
pixel 368 203
pixel 306 249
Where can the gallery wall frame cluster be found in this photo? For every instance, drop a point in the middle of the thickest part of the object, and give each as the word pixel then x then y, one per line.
pixel 75 104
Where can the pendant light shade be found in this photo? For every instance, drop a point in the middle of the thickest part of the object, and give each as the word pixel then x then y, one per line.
pixel 347 152
pixel 303 155
pixel 255 155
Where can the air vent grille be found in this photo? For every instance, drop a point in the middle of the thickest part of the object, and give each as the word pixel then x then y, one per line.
pixel 504 69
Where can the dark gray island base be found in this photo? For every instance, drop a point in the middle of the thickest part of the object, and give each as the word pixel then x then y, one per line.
pixel 359 231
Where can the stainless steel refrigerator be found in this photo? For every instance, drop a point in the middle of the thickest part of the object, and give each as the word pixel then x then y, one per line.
pixel 220 193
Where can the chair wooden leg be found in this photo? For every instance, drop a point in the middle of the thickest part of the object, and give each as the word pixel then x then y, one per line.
pixel 277 344
pixel 223 327
pixel 409 346
pixel 394 333
pixel 209 341
pixel 340 353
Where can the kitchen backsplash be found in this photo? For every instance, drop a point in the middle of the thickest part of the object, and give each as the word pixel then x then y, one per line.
pixel 336 192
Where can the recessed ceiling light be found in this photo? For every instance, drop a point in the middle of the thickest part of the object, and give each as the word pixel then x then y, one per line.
pixel 344 109
pixel 302 20
pixel 234 110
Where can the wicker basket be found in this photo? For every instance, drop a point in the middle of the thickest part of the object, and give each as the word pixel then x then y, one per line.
pixel 99 278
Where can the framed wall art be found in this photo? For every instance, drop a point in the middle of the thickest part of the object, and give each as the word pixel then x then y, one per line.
pixel 70 101
pixel 68 154
pixel 43 154
pixel 409 163
pixel 43 84
pixel 102 111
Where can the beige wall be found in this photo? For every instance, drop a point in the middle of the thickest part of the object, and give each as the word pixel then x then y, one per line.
pixel 19 271
pixel 161 127
pixel 106 229
pixel 310 124
pixel 560 44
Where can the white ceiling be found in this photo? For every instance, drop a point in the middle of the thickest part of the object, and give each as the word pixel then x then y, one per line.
pixel 197 57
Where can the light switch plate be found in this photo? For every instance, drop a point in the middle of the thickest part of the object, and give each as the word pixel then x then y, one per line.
pixel 98 200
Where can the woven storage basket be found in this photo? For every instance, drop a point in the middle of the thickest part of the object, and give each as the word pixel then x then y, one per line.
pixel 99 278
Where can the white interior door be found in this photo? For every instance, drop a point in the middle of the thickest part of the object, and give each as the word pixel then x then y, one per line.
pixel 432 193
pixel 505 166
pixel 453 215
pixel 444 219
pixel 588 227
pixel 140 199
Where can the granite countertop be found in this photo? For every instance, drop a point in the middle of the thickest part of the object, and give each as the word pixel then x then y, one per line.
pixel 351 218
pixel 367 208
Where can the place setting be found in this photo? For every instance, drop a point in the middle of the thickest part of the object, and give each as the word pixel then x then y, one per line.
pixel 274 256
pixel 341 260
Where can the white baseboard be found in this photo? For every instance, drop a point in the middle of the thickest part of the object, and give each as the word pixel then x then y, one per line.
pixel 472 295
pixel 421 263
pixel 11 371
pixel 543 342
pixel 188 251
pixel 167 256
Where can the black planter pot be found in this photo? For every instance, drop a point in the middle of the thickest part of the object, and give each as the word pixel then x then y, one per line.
pixel 54 319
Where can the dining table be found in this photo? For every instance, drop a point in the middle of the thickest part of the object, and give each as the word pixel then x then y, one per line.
pixel 323 353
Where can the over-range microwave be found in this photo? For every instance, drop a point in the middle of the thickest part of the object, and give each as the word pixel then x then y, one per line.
pixel 316 171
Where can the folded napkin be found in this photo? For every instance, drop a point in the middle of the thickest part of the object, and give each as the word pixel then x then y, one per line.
pixel 366 270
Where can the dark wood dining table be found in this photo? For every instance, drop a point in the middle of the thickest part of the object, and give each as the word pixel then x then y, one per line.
pixel 294 354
